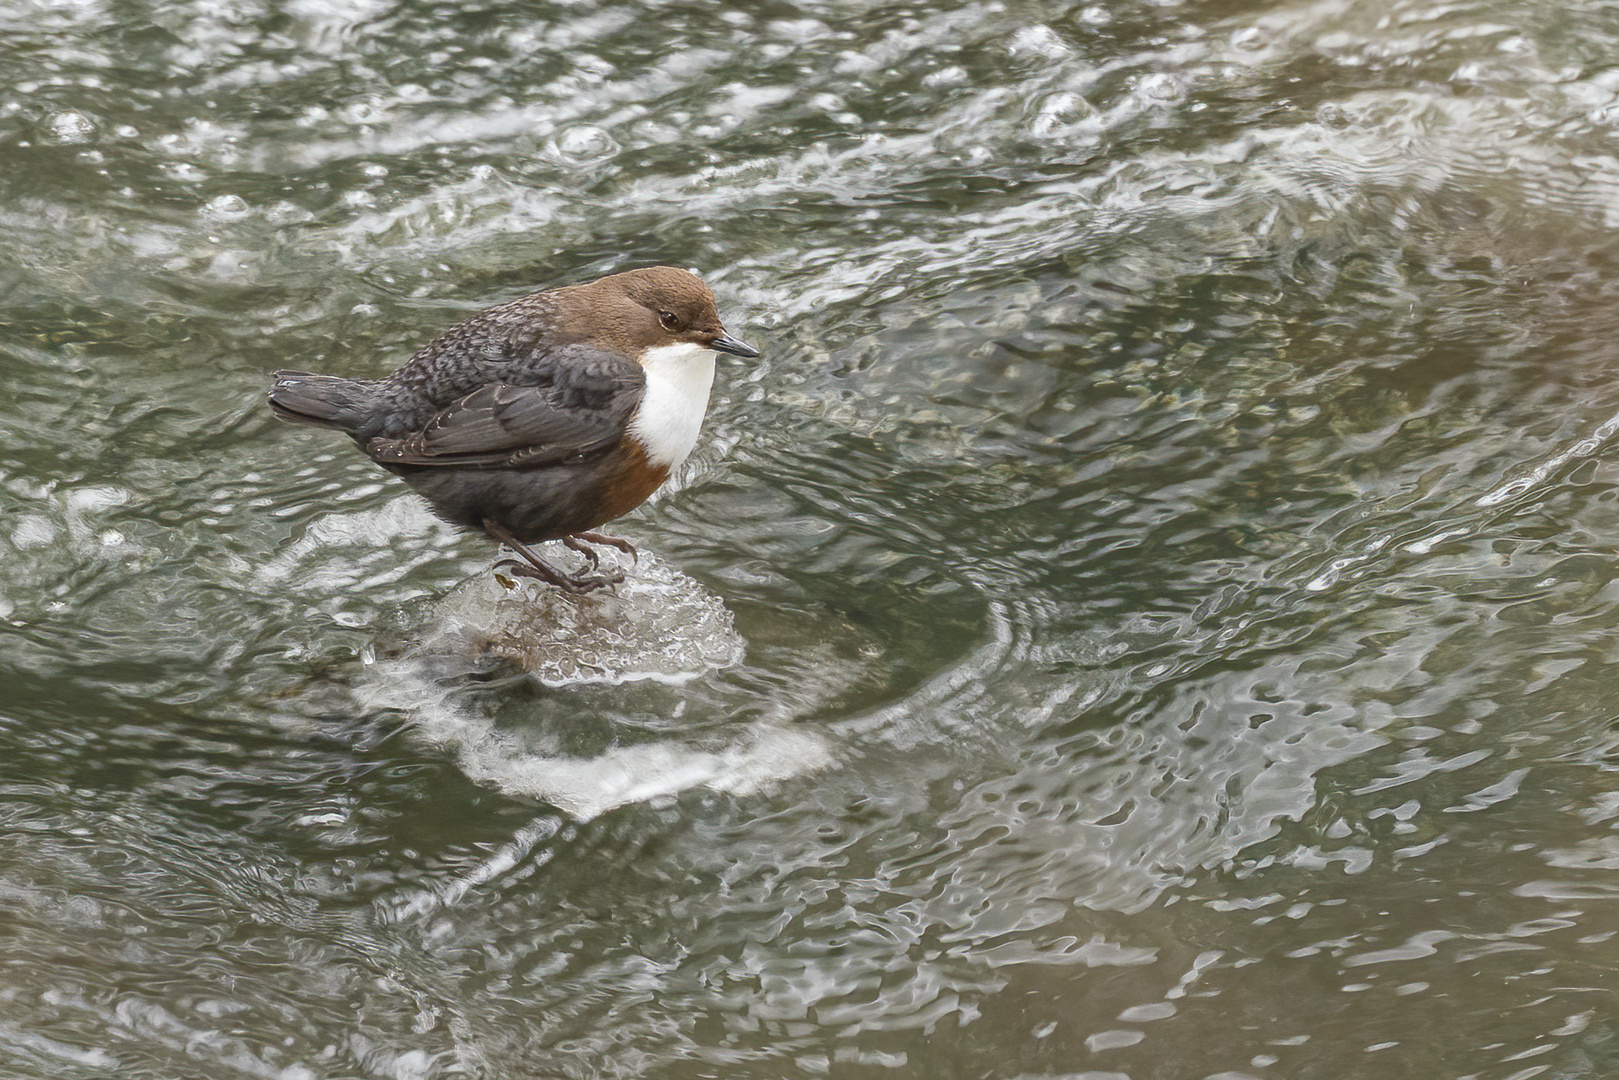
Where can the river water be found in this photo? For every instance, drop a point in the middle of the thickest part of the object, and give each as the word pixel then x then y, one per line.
pixel 1145 615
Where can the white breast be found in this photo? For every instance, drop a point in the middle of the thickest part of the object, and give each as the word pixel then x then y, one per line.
pixel 678 378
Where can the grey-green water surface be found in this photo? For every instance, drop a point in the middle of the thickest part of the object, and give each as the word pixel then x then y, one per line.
pixel 1169 541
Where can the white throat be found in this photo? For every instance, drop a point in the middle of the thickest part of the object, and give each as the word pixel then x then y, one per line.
pixel 678 378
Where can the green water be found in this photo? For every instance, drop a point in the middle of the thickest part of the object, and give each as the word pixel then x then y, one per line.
pixel 1150 602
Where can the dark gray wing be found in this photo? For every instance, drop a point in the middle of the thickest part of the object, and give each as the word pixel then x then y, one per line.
pixel 576 407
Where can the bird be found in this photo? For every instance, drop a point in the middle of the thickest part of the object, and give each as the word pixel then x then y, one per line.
pixel 542 418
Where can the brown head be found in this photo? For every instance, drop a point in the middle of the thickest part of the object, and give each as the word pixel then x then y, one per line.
pixel 645 309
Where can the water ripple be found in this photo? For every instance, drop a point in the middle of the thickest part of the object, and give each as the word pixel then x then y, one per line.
pixel 1162 562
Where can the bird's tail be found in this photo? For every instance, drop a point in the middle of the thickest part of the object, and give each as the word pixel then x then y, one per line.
pixel 322 400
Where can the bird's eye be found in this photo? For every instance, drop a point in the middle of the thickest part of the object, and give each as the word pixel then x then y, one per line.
pixel 668 321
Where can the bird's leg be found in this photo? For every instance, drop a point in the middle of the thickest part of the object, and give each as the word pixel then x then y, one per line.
pixel 535 567
pixel 607 541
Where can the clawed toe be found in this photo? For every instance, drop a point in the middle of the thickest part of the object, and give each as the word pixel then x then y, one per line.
pixel 605 541
pixel 573 544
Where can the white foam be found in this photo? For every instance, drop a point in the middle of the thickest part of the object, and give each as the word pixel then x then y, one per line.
pixel 585 788
pixel 656 625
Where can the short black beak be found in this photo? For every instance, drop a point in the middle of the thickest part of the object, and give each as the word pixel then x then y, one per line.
pixel 727 343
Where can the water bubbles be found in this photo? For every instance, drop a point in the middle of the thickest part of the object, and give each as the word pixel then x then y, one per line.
pixel 95 498
pixel 228 207
pixel 798 31
pixel 67 127
pixel 1332 115
pixel 1158 86
pixel 1039 41
pixel 1249 39
pixel 1059 111
pixel 584 144
pixel 33 530
pixel 1483 72
pixel 183 171
pixel 954 75
pixel 852 62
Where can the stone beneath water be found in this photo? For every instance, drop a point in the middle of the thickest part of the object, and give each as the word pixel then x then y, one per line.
pixel 655 624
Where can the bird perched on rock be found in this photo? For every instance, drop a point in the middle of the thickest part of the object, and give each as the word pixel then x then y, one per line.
pixel 543 418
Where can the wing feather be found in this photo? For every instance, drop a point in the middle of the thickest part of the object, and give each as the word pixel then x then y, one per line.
pixel 574 408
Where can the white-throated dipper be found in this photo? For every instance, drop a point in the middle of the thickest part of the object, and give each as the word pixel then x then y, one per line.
pixel 543 418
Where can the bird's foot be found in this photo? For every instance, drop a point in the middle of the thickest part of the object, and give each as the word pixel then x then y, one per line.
pixel 605 541
pixel 577 584
pixel 528 564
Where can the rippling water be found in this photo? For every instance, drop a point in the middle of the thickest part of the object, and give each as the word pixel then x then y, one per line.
pixel 1146 614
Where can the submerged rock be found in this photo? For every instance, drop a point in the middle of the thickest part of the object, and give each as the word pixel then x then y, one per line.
pixel 656 624
pixel 599 660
